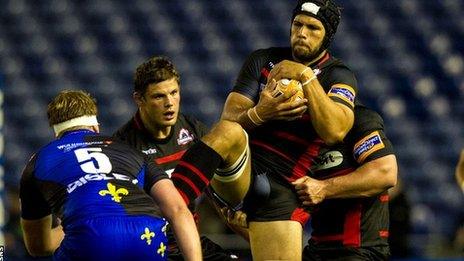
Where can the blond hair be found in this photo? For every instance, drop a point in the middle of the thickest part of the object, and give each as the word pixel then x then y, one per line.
pixel 70 104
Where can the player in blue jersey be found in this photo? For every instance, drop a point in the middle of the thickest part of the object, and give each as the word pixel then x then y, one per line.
pixel 99 189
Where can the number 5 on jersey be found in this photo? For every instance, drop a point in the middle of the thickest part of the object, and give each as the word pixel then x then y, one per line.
pixel 92 160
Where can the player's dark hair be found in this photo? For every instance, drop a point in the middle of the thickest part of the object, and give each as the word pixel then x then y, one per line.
pixel 325 11
pixel 154 70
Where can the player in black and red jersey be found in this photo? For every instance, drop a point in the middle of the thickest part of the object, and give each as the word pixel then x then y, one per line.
pixel 286 135
pixel 162 132
pixel 284 141
pixel 347 192
pixel 158 128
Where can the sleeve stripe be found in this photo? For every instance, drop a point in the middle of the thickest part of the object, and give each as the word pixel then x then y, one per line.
pixel 194 170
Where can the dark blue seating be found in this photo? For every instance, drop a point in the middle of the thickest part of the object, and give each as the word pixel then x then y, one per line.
pixel 407 56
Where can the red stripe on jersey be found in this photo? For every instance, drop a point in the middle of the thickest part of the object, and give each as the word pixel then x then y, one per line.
pixel 184 197
pixel 169 158
pixel 194 170
pixel 384 198
pixel 300 215
pixel 383 233
pixel 323 60
pixel 265 72
pixel 338 237
pixel 189 182
pixel 290 137
pixel 352 227
pixel 270 148
pixel 306 160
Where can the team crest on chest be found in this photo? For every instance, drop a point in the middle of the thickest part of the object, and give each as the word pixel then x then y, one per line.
pixel 184 137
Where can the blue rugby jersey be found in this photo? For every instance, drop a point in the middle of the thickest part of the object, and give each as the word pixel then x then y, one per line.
pixel 83 175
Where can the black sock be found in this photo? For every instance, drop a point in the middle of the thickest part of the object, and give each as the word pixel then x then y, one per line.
pixel 195 170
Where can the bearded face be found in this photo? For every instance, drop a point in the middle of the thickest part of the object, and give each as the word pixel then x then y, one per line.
pixel 307 35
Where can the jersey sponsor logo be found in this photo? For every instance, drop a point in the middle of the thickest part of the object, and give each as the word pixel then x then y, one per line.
pixel 97 177
pixel 344 92
pixel 184 137
pixel 150 151
pixel 70 146
pixel 368 145
pixel 328 160
pixel 317 71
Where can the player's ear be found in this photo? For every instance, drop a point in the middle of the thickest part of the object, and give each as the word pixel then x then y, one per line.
pixel 138 98
pixel 96 128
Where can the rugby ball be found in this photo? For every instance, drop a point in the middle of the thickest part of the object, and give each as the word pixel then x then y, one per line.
pixel 286 85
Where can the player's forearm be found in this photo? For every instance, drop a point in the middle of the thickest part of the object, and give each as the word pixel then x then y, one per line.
pixel 235 109
pixel 57 235
pixel 368 180
pixel 186 234
pixel 330 119
pixel 40 239
pixel 37 250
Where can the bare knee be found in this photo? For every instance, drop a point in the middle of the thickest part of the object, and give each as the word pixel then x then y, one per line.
pixel 226 138
pixel 230 133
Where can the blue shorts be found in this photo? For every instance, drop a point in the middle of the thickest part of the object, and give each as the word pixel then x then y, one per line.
pixel 115 238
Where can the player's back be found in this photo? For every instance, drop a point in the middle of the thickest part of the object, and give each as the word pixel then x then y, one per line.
pixel 91 176
pixel 96 186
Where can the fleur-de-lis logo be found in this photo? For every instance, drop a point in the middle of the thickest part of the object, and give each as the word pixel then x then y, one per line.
pixel 147 235
pixel 165 228
pixel 161 249
pixel 114 192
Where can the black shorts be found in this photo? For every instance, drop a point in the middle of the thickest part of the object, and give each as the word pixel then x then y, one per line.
pixel 312 252
pixel 282 202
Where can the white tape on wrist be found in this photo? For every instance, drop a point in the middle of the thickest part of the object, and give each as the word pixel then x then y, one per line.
pixel 309 80
pixel 256 119
pixel 87 120
pixel 307 68
pixel 257 116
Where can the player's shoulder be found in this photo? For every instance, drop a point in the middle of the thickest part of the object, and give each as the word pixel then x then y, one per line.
pixel 30 166
pixel 272 53
pixel 125 130
pixel 366 119
pixel 115 143
pixel 336 69
pixel 186 120
pixel 364 113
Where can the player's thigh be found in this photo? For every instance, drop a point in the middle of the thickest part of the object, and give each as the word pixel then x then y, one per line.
pixel 276 240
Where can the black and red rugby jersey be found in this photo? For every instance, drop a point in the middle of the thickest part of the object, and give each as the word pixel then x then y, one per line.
pixel 288 148
pixel 355 222
pixel 168 151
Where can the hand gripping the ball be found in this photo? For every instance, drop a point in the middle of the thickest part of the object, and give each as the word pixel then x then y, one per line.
pixel 287 87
